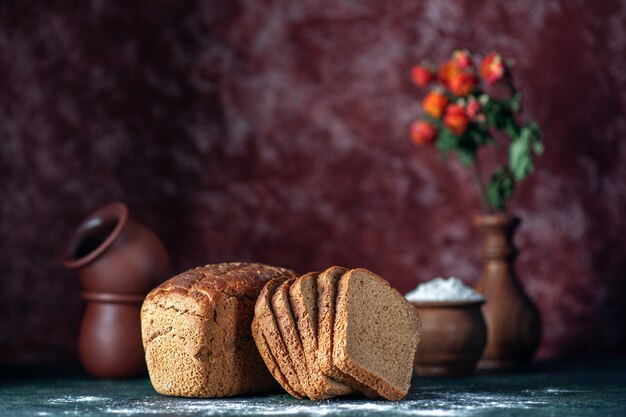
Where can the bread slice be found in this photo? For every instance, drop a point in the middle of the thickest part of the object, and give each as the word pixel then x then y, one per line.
pixel 269 358
pixel 269 329
pixel 303 299
pixel 376 332
pixel 327 283
pixel 287 326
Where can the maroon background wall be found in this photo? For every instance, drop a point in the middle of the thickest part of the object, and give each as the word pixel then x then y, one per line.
pixel 277 131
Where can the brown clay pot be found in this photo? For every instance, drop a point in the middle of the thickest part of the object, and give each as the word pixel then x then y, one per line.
pixel 453 338
pixel 513 322
pixel 118 262
pixel 113 254
pixel 108 344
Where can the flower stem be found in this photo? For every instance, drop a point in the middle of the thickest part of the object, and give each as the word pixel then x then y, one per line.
pixel 480 186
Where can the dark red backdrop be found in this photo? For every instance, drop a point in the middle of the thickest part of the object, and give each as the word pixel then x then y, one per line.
pixel 277 131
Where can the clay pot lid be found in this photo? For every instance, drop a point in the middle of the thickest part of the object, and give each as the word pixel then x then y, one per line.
pixel 448 304
pixel 114 212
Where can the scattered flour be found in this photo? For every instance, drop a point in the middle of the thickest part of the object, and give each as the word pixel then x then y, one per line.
pixel 348 409
pixel 435 403
pixel 442 401
pixel 440 289
pixel 69 399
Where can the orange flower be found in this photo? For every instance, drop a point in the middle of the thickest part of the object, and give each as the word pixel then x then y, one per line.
pixel 462 84
pixel 492 68
pixel 456 119
pixel 448 70
pixel 423 133
pixel 434 104
pixel 457 74
pixel 422 76
pixel 462 58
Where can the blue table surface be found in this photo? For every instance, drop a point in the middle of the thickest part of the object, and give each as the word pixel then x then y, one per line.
pixel 596 388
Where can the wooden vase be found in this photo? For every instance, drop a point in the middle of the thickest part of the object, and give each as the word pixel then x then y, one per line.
pixel 513 322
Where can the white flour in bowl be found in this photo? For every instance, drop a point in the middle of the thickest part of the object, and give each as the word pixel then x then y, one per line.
pixel 440 289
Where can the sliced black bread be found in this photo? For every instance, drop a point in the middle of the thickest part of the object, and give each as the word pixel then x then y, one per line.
pixel 303 299
pixel 327 284
pixel 375 333
pixel 269 359
pixel 268 327
pixel 281 307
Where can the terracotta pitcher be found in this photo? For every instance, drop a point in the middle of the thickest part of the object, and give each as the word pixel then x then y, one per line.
pixel 513 323
pixel 118 262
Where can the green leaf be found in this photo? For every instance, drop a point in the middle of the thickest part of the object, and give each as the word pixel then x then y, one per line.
pixel 492 113
pixel 511 128
pixel 500 188
pixel 521 149
pixel 447 141
pixel 498 113
pixel 520 157
pixel 495 198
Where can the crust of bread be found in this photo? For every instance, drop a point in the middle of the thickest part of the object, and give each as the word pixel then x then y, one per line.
pixel 269 359
pixel 281 308
pixel 269 328
pixel 303 298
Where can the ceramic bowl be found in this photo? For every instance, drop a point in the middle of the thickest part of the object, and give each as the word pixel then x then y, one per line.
pixel 454 335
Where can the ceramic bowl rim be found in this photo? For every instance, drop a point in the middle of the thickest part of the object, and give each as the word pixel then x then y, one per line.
pixel 447 304
pixel 117 211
